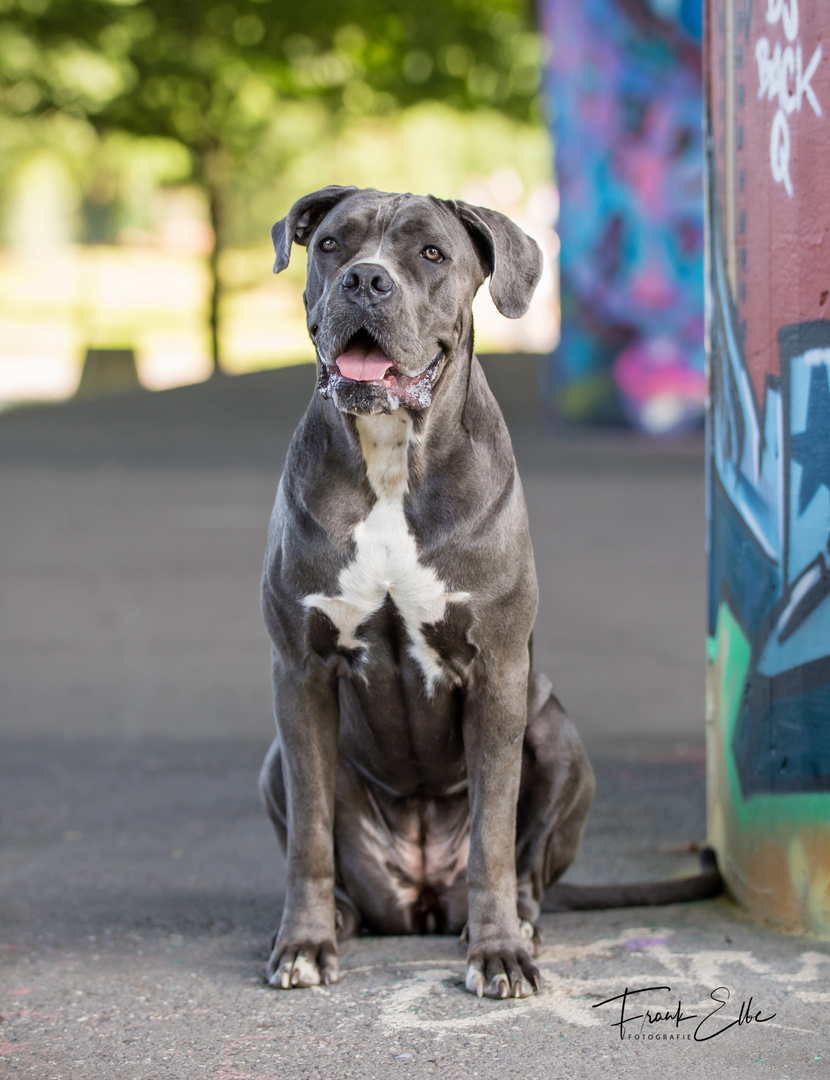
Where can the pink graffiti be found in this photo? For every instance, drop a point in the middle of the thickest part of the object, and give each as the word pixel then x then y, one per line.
pixel 657 366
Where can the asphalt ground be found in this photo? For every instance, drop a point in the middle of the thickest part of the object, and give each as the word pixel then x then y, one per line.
pixel 139 879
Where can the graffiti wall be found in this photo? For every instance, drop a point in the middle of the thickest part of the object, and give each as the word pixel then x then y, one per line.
pixel 768 434
pixel 624 95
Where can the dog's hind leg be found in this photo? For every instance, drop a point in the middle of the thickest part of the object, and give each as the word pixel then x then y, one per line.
pixel 554 798
pixel 555 794
pixel 272 791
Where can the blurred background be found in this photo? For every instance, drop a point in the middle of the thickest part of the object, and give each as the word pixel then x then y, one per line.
pixel 146 147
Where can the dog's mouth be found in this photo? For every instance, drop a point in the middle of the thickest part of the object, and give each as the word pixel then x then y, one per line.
pixel 363 360
pixel 363 379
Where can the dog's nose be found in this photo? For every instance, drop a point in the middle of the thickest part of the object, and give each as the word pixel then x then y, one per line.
pixel 367 283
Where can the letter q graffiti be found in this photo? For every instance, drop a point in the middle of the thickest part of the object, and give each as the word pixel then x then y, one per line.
pixel 779 151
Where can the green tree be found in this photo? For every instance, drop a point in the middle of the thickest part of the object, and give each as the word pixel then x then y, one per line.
pixel 213 74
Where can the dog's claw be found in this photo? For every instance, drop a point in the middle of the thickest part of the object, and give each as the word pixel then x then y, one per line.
pixel 530 936
pixel 474 980
pixel 502 973
pixel 500 987
pixel 297 967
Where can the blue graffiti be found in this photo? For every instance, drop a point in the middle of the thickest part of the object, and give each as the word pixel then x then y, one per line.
pixel 768 544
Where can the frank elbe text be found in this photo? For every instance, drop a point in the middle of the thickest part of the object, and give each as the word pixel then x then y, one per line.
pixel 640 1017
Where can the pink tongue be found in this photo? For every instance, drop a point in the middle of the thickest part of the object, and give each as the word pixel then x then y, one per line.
pixel 363 364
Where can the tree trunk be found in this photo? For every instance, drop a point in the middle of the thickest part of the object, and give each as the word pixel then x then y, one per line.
pixel 215 280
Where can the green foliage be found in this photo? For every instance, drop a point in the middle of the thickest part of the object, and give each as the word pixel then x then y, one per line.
pixel 243 85
pixel 213 74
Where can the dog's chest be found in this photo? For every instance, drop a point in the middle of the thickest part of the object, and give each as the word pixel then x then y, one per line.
pixel 386 562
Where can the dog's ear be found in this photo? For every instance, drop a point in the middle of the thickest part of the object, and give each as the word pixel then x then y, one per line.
pixel 302 219
pixel 512 259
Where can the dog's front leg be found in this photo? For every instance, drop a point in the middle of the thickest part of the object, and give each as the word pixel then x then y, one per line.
pixel 305 949
pixel 495 718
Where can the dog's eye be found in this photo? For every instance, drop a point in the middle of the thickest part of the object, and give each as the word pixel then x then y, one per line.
pixel 433 254
pixel 329 244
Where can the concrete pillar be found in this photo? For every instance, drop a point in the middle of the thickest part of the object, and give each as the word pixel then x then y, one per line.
pixel 767 87
pixel 624 91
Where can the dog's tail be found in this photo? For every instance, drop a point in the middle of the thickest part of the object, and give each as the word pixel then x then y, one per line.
pixel 702 886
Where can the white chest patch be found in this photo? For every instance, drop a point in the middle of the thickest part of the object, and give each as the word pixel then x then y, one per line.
pixel 386 559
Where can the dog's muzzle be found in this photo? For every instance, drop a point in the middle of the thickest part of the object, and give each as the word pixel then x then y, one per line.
pixel 363 380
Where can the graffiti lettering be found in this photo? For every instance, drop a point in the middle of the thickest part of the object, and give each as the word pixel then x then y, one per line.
pixel 778 70
pixel 779 151
pixel 787 13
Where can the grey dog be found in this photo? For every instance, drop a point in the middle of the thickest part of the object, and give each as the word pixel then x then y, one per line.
pixel 423 778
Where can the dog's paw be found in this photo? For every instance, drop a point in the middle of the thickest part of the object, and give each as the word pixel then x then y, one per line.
pixel 299 965
pixel 501 973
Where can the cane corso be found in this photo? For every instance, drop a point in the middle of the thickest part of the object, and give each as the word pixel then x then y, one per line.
pixel 423 779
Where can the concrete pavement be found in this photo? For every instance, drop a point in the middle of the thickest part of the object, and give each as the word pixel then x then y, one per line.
pixel 139 880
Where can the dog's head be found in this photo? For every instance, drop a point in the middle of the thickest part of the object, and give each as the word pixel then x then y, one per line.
pixel 390 287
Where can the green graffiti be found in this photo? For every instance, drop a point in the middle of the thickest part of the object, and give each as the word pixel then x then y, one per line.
pixel 729 655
